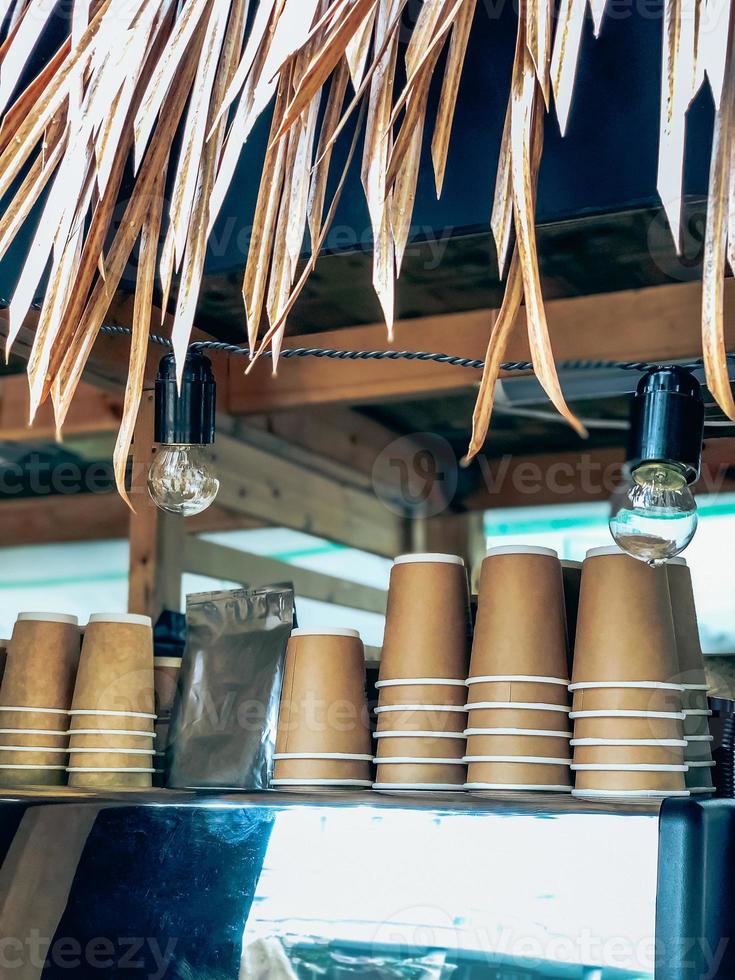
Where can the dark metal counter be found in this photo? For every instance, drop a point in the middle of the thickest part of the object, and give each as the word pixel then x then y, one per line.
pixel 272 886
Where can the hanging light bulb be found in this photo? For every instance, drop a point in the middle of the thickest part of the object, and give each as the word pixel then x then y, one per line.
pixel 653 514
pixel 182 479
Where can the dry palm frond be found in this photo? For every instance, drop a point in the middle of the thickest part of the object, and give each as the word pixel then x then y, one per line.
pixel 178 87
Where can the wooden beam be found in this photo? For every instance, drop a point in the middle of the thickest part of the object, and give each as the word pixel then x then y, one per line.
pixel 276 490
pixel 92 411
pixel 91 517
pixel 156 538
pixel 219 562
pixel 657 323
pixel 567 478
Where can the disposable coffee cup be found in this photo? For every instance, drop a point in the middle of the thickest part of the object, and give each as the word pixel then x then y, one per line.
pixel 115 740
pixel 421 717
pixel 538 717
pixel 521 627
pixel 427 623
pixel 316 785
pixel 628 698
pixel 519 774
pixel 699 780
pixel 422 691
pixel 420 746
pixel 339 769
pixel 625 630
pixel 698 750
pixel 23 737
pixel 696 723
pixel 614 780
pixel 116 666
pixel 86 719
pixel 166 671
pixel 41 665
pixel 549 690
pixel 21 776
pixel 695 700
pixel 630 753
pixel 422 772
pixel 519 745
pixel 110 779
pixel 571 574
pixel 628 725
pixel 323 703
pixel 686 629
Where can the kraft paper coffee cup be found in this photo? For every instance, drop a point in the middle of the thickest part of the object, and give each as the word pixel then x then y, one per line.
pixel 686 629
pixel 628 698
pixel 323 703
pixel 41 665
pixel 115 740
pixel 630 754
pixel 695 700
pixel 421 717
pixel 538 716
pixel 24 737
pixel 519 774
pixel 696 723
pixel 643 725
pixel 422 691
pixel 166 671
pixel 521 626
pixel 111 721
pixel 521 745
pixel 652 780
pixel 625 630
pixel 112 779
pixel 571 574
pixel 547 690
pixel 699 779
pixel 698 750
pixel 322 768
pixel 452 773
pixel 116 666
pixel 419 746
pixel 427 619
pixel 19 775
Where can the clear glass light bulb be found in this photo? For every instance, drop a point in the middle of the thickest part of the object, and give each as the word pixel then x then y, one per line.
pixel 653 516
pixel 182 480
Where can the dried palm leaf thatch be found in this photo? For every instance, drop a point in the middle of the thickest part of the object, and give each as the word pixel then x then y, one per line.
pixel 176 88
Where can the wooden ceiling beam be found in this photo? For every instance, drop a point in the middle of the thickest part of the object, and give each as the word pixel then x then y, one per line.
pixel 580 477
pixel 656 323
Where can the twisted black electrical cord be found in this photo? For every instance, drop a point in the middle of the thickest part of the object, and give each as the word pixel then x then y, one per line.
pixel 475 364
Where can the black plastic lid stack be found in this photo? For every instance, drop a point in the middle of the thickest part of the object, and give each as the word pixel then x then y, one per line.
pixel 187 418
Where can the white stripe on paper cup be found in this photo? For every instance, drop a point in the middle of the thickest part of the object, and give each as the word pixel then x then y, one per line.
pixel 536 760
pixel 679 742
pixel 512 678
pixel 105 769
pixel 98 751
pixel 36 711
pixel 410 760
pixel 424 681
pixel 32 748
pixel 111 714
pixel 419 735
pixel 324 755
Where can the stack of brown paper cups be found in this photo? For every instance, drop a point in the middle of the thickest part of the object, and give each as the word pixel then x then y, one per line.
pixel 421 714
pixel 323 738
pixel 166 672
pixel 518 730
pixel 35 697
pixel 112 726
pixel 692 676
pixel 627 708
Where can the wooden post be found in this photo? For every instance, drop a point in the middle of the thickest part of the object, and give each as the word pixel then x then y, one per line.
pixel 454 534
pixel 156 538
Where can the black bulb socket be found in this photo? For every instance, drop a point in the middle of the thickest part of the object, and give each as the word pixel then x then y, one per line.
pixel 186 417
pixel 667 421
